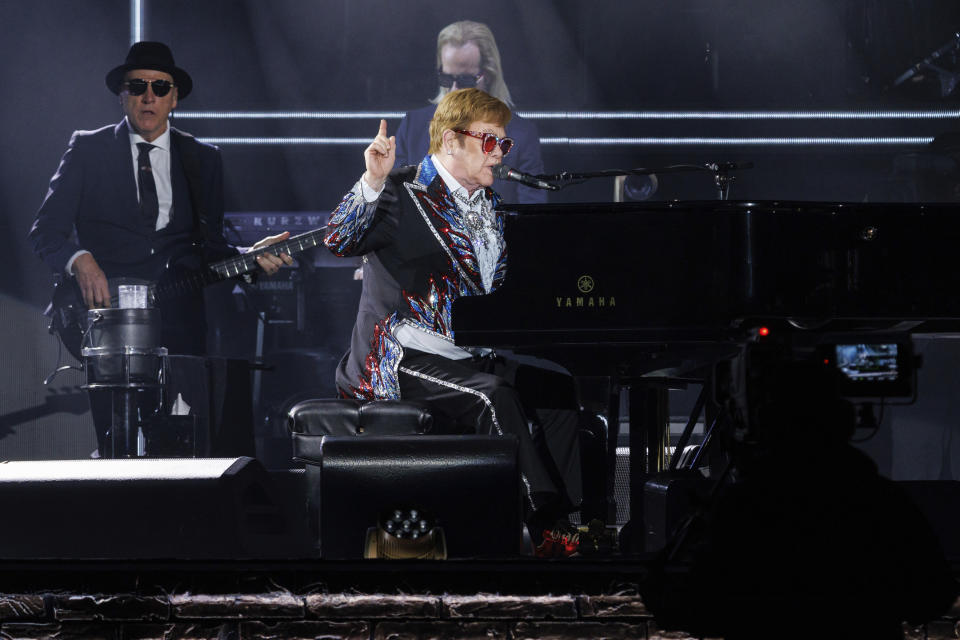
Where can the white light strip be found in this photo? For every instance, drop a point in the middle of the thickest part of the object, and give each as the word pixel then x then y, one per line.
pixel 136 21
pixel 740 115
pixel 613 142
pixel 288 141
pixel 286 115
pixel 941 114
pixel 732 142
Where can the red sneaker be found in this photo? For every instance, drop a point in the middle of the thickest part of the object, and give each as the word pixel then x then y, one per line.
pixel 560 541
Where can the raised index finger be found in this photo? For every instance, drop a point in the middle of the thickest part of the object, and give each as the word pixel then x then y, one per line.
pixel 383 128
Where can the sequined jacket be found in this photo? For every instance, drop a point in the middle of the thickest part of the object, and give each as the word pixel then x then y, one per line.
pixel 418 259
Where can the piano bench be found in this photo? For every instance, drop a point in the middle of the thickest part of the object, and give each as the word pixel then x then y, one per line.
pixel 347 417
pixel 367 459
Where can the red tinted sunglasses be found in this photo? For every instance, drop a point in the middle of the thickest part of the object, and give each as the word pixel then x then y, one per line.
pixel 489 141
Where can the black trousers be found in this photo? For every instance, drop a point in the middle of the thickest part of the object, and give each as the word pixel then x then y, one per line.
pixel 499 396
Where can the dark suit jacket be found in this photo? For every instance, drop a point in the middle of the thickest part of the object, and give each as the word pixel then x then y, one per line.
pixel 419 259
pixel 92 204
pixel 413 140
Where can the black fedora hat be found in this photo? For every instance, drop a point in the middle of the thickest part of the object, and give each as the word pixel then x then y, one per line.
pixel 151 55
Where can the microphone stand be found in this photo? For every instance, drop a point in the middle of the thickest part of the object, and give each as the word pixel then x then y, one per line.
pixel 948 80
pixel 720 170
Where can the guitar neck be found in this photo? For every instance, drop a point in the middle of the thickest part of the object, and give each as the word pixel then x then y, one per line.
pixel 237 265
pixel 247 262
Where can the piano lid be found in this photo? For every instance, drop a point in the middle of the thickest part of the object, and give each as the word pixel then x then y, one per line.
pixel 656 271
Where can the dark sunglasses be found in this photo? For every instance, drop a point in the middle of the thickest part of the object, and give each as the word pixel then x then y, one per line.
pixel 463 80
pixel 138 86
pixel 489 141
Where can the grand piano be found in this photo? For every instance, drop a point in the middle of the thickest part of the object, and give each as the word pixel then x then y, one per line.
pixel 636 292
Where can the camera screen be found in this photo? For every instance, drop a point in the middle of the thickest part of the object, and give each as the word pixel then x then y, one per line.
pixel 861 363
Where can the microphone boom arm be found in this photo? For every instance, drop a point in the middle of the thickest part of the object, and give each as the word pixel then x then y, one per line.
pixel 720 170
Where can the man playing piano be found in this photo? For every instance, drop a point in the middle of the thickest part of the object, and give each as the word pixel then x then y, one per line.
pixel 429 234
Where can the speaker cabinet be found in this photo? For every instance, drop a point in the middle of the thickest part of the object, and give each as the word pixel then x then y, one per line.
pixel 469 484
pixel 204 508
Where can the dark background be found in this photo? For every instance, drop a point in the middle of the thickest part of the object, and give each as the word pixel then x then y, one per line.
pixel 379 55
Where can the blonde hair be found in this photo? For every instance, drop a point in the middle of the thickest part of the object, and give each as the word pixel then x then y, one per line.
pixel 459 34
pixel 459 108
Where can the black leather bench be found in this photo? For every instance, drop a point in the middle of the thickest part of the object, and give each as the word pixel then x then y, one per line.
pixel 367 459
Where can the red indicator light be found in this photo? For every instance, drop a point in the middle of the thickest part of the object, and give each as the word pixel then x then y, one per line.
pixel 763 331
pixel 826 361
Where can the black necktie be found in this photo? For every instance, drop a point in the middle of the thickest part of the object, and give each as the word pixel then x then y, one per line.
pixel 149 204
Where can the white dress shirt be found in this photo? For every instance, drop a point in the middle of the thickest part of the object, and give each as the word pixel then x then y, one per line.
pixel 160 164
pixel 487 243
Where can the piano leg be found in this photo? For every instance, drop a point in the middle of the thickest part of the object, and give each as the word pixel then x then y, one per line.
pixel 649 420
pixel 599 398
pixel 613 439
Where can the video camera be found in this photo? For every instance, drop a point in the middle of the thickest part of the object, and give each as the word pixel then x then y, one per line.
pixel 871 368
pixel 861 365
pixel 800 377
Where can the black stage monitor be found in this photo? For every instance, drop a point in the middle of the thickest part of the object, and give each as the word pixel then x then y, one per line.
pixel 199 508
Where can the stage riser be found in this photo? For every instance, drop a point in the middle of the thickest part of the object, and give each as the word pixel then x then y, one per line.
pixel 354 616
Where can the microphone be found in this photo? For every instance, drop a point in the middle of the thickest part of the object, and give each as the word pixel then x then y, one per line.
pixel 728 166
pixel 503 172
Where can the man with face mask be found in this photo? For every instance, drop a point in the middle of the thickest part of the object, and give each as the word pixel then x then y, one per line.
pixel 467 57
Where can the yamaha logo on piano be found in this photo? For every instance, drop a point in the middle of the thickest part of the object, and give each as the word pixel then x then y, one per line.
pixel 586 285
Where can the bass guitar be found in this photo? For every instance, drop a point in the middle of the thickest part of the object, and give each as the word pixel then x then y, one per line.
pixel 69 313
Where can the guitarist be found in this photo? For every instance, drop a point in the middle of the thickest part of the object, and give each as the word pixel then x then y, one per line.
pixel 128 198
